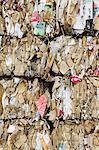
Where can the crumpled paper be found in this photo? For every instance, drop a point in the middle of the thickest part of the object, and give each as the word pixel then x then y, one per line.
pixel 41 104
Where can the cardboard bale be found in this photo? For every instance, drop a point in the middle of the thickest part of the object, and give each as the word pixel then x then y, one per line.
pixel 49 71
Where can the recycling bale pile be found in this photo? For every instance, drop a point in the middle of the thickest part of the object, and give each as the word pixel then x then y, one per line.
pixel 33 110
pixel 49 75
